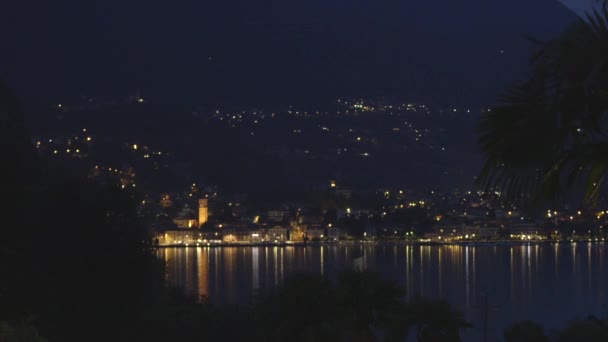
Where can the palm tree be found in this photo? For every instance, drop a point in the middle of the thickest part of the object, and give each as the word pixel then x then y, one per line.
pixel 548 137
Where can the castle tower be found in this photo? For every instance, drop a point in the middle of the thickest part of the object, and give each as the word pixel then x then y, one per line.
pixel 203 211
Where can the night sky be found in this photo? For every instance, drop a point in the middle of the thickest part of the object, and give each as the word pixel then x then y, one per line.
pixel 272 52
pixel 579 6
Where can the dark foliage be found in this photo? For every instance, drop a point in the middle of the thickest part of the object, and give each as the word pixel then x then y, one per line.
pixel 547 139
pixel 591 329
pixel 435 320
pixel 525 331
pixel 78 259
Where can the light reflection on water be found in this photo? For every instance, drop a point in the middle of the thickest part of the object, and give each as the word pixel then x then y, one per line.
pixel 546 283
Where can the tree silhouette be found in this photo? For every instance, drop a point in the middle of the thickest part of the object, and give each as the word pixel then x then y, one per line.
pixel 76 257
pixel 590 329
pixel 304 309
pixel 525 331
pixel 371 301
pixel 359 306
pixel 435 320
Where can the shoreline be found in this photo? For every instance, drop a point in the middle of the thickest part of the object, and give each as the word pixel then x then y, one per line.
pixel 380 243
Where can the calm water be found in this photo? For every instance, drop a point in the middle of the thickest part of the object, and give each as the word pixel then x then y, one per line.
pixel 549 283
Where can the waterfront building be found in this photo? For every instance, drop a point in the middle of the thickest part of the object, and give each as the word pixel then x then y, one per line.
pixel 335 233
pixel 277 233
pixel 235 235
pixel 448 227
pixel 526 231
pixel 179 237
pixel 480 231
pixel 489 231
pixel 314 232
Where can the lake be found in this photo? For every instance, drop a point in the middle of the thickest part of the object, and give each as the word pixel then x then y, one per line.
pixel 547 283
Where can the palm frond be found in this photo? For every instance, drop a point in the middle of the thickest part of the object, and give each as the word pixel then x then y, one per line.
pixel 548 136
pixel 598 20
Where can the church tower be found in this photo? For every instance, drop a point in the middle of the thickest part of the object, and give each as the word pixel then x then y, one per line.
pixel 203 211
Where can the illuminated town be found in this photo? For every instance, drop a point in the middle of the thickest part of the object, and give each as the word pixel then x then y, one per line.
pixel 198 214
